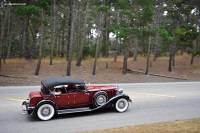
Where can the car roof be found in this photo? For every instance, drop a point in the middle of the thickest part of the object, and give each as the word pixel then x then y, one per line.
pixel 51 82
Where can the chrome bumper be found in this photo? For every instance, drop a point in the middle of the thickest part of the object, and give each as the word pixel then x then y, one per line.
pixel 26 109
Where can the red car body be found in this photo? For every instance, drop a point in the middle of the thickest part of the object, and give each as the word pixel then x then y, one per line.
pixel 82 98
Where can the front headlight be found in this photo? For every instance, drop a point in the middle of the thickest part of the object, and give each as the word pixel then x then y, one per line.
pixel 28 100
pixel 120 91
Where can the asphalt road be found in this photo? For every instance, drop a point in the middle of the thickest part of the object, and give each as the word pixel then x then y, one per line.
pixel 152 103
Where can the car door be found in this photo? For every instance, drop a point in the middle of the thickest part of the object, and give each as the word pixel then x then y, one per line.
pixel 82 98
pixel 66 100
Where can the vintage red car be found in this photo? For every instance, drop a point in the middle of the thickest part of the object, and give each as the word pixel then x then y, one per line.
pixel 68 95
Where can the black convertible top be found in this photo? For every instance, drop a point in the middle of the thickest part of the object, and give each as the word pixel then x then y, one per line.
pixel 52 82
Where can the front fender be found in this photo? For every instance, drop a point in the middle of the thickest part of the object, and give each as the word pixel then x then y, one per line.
pixel 122 95
pixel 113 100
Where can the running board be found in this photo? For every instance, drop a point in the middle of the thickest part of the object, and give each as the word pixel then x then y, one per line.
pixel 75 110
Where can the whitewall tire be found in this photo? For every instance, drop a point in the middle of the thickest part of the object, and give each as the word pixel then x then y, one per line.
pixel 121 105
pixel 45 112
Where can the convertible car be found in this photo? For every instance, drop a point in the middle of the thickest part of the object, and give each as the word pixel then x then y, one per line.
pixel 68 95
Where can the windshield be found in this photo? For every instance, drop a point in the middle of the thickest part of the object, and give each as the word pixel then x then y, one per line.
pixel 44 90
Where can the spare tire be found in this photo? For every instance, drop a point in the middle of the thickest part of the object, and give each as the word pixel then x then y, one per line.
pixel 100 98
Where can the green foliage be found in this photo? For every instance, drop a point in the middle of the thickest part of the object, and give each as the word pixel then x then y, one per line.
pixel 86 51
pixel 46 5
pixel 123 5
pixel 176 2
pixel 186 33
pixel 28 10
pixel 144 2
pixel 103 8
pixel 16 49
pixel 194 52
pixel 147 32
pixel 89 50
pixel 165 34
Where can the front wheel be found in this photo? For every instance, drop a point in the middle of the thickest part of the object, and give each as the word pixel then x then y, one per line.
pixel 45 112
pixel 121 105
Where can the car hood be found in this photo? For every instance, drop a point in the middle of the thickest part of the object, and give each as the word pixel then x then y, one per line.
pixel 101 87
pixel 35 94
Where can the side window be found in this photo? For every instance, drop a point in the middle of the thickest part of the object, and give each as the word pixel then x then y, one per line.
pixel 82 87
pixel 60 89
pixel 75 88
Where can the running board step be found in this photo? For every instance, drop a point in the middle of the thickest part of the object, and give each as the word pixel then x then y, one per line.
pixel 75 110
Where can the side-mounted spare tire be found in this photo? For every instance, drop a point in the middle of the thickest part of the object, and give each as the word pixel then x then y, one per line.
pixel 45 112
pixel 121 105
pixel 100 98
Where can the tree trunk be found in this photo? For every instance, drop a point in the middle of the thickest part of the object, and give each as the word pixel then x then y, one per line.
pixel 71 37
pixel 135 49
pixel 3 20
pixel 82 39
pixel 117 41
pixel 156 47
pixel 97 44
pixel 63 37
pixel 53 32
pixel 125 60
pixel 192 59
pixel 27 40
pixel 157 24
pixel 9 44
pixel 107 24
pixel 148 57
pixel 170 62
pixel 41 43
pixel 170 57
pixel 174 54
pixel 116 49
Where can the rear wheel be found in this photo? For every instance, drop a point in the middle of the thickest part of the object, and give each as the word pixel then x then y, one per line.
pixel 45 112
pixel 121 105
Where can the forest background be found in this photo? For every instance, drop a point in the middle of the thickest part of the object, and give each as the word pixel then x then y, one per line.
pixel 100 41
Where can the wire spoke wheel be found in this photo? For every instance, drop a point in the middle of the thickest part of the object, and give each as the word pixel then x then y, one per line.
pixel 100 98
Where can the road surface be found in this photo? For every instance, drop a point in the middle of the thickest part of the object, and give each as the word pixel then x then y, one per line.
pixel 152 103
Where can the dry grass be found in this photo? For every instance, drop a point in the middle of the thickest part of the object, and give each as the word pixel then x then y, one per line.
pixel 186 126
pixel 23 71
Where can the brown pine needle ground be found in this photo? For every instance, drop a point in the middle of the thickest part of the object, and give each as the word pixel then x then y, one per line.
pixel 186 126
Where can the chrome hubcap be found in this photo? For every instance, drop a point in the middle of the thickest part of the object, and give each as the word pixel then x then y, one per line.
pixel 45 111
pixel 121 104
pixel 101 100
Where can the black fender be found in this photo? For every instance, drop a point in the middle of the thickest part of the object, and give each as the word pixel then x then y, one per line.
pixel 46 101
pixel 113 100
pixel 122 95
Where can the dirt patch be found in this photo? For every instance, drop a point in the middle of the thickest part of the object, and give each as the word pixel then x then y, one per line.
pixel 186 126
pixel 21 72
